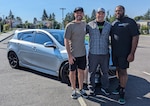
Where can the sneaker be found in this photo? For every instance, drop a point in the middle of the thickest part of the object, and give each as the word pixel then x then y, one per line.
pixel 121 99
pixel 105 91
pixel 83 93
pixel 116 91
pixel 85 86
pixel 74 95
pixel 92 91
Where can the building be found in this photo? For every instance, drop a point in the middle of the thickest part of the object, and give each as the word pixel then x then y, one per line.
pixel 145 24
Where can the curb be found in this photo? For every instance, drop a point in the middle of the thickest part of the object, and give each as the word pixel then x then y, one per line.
pixel 6 36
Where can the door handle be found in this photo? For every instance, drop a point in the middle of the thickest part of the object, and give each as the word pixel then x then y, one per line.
pixel 34 48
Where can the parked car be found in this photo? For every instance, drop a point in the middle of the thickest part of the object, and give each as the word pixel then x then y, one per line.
pixel 42 50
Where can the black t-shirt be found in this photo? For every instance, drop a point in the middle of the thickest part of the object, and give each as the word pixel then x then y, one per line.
pixel 100 25
pixel 121 36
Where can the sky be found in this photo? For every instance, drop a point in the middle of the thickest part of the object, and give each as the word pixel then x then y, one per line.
pixel 28 9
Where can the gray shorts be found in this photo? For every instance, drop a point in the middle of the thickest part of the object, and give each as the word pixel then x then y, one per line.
pixel 95 60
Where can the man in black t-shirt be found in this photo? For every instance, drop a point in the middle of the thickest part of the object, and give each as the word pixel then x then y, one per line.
pixel 124 39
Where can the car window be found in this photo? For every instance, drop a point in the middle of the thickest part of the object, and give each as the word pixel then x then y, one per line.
pixel 59 36
pixel 41 38
pixel 26 36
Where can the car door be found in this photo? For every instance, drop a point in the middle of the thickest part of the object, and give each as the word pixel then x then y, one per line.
pixel 25 51
pixel 48 58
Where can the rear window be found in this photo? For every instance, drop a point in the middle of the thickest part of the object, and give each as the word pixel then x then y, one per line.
pixel 26 36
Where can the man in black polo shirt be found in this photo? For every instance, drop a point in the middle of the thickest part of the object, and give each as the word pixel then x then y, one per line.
pixel 124 38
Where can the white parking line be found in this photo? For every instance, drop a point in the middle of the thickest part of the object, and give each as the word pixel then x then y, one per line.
pixel 146 73
pixel 81 101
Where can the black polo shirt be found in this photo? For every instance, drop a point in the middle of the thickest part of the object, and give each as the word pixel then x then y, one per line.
pixel 121 36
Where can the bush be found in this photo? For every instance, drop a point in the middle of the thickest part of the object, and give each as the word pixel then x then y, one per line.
pixel 6 27
pixel 144 29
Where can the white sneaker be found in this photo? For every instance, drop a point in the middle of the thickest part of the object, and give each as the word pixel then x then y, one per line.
pixel 74 94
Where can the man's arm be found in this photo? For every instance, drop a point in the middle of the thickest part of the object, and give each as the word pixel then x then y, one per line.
pixel 70 57
pixel 135 40
pixel 66 41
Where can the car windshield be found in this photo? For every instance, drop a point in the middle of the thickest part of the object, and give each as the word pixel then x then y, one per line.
pixel 58 35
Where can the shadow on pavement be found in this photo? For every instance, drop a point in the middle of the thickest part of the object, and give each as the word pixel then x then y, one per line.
pixel 137 93
pixel 39 73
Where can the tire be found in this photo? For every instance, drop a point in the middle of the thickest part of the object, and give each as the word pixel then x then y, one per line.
pixel 13 60
pixel 64 73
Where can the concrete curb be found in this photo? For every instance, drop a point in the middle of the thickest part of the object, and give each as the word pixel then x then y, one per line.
pixel 4 36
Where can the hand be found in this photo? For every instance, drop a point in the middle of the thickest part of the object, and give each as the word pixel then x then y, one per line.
pixel 71 60
pixel 130 57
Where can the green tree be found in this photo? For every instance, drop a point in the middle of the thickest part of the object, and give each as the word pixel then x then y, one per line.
pixel 147 15
pixel 137 18
pixel 107 16
pixel 44 16
pixel 69 17
pixel 11 16
pixel 34 20
pixel 87 18
pixel 93 15
pixel 112 18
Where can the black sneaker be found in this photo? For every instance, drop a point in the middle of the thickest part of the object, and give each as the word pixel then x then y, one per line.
pixel 121 99
pixel 74 95
pixel 85 86
pixel 116 91
pixel 105 91
pixel 92 91
pixel 83 93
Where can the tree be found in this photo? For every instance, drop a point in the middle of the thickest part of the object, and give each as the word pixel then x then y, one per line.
pixel 112 18
pixel 34 20
pixel 147 15
pixel 93 16
pixel 69 17
pixel 11 16
pixel 44 16
pixel 87 18
pixel 137 18
pixel 107 16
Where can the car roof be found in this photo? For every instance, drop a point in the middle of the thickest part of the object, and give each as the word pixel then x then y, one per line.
pixel 48 30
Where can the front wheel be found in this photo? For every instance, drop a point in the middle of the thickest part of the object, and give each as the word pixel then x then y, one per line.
pixel 13 60
pixel 64 73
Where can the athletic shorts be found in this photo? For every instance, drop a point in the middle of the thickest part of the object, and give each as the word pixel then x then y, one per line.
pixel 120 62
pixel 80 63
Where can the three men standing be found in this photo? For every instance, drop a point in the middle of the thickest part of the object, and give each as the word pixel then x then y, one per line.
pixel 124 40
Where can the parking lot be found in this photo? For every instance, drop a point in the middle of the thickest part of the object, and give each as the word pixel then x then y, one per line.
pixel 25 87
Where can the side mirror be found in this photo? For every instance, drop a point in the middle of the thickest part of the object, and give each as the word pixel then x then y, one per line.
pixel 49 44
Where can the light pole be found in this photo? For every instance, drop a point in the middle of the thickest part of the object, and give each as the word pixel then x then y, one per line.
pixel 62 17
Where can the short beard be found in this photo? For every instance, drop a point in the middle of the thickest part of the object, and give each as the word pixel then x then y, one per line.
pixel 121 16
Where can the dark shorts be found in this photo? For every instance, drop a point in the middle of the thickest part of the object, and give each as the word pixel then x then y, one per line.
pixel 79 63
pixel 120 62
